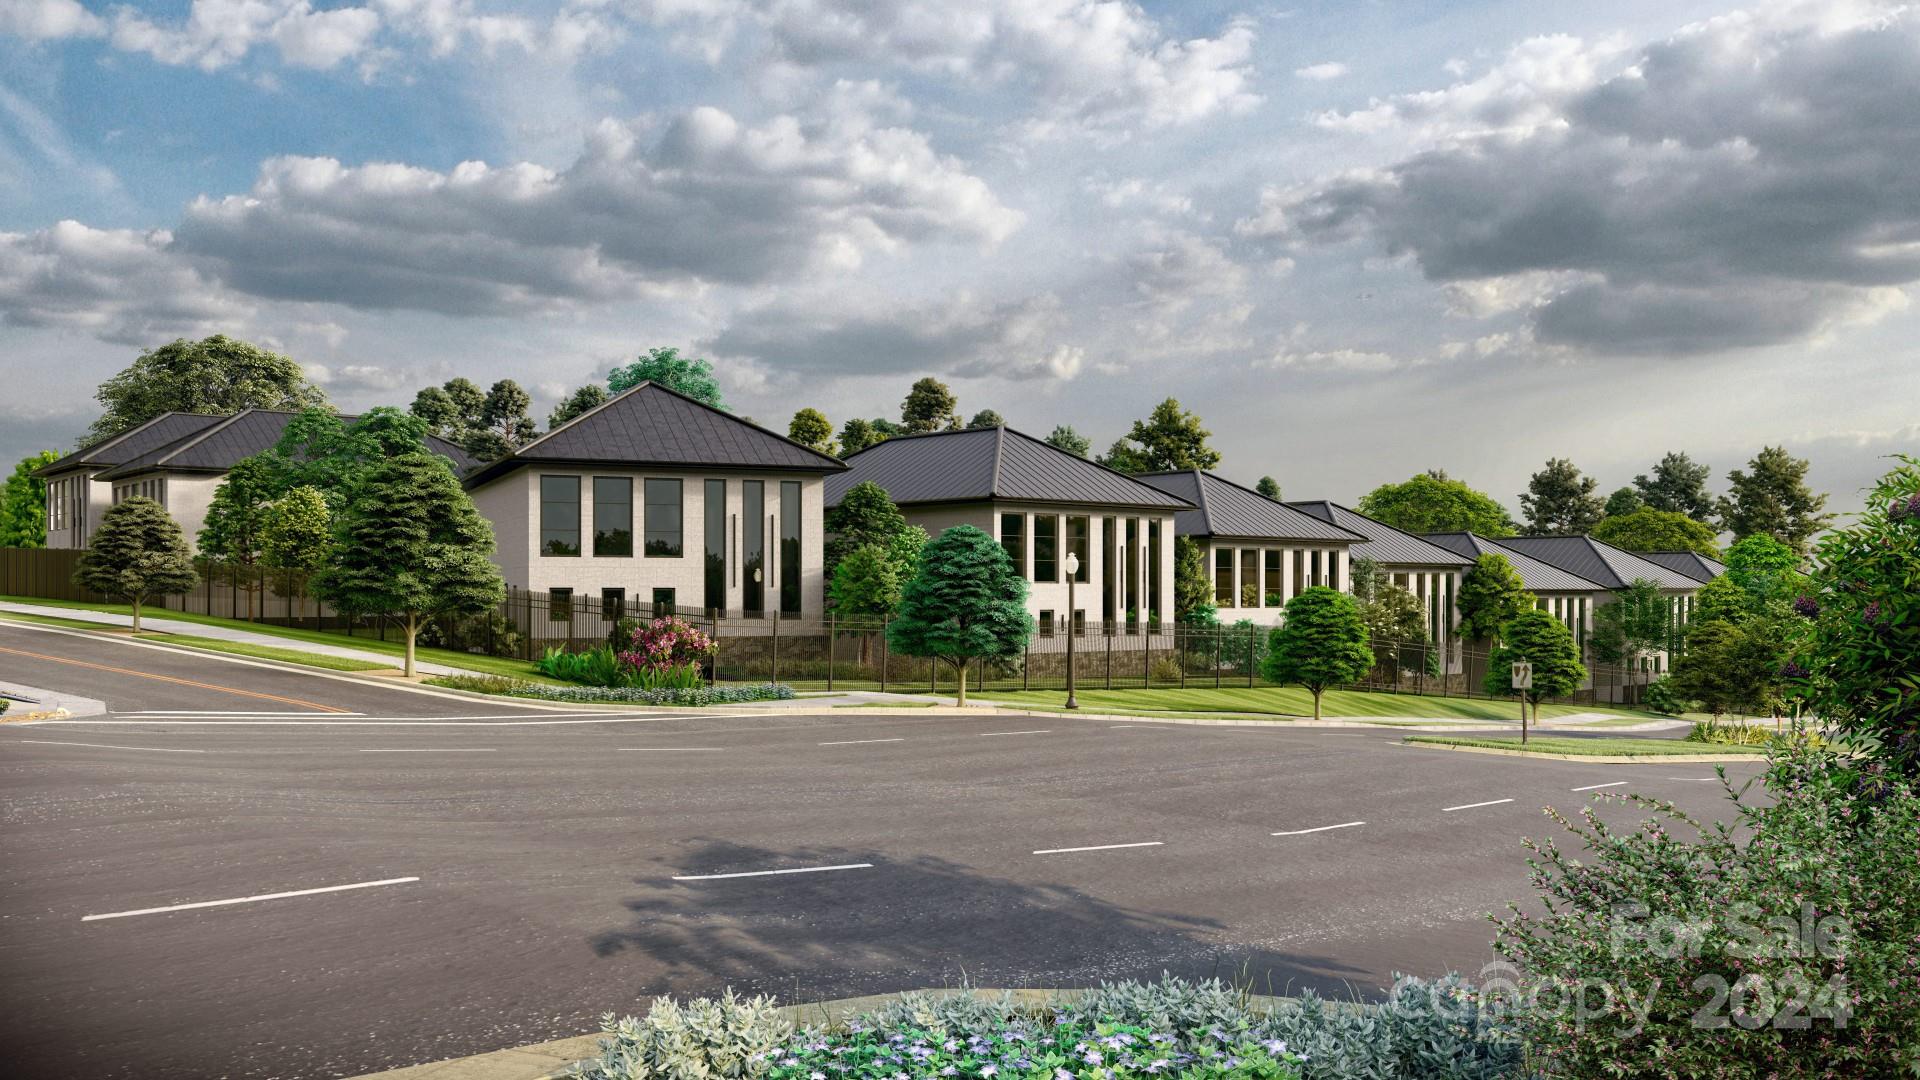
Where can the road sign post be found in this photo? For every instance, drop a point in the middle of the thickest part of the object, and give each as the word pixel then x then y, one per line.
pixel 1523 682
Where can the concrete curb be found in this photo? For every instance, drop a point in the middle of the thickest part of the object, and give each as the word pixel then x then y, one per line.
pixel 1595 759
pixel 552 1060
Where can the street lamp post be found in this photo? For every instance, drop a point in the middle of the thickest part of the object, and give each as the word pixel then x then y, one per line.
pixel 1072 565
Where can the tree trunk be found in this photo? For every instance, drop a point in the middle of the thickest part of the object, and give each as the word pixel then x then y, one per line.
pixel 961 665
pixel 1317 691
pixel 136 613
pixel 413 629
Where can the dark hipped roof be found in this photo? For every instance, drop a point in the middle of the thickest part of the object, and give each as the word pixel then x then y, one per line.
pixel 1537 576
pixel 1598 561
pixel 1385 544
pixel 990 463
pixel 1691 563
pixel 219 446
pixel 133 442
pixel 652 425
pixel 1225 509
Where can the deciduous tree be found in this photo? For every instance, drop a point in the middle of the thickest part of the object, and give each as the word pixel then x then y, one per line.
pixel 986 418
pixel 929 406
pixel 218 374
pixel 1771 497
pixel 1169 438
pixel 1560 501
pixel 1624 501
pixel 1647 529
pixel 23 503
pixel 1063 437
pixel 297 538
pixel 585 399
pixel 1269 487
pixel 865 516
pixel 964 603
pixel 857 434
pixel 1678 486
pixel 1432 503
pixel 505 425
pixel 411 546
pixel 1192 591
pixel 1491 595
pixel 1537 638
pixel 691 376
pixel 137 553
pixel 1634 624
pixel 1321 643
pixel 233 532
pixel 811 428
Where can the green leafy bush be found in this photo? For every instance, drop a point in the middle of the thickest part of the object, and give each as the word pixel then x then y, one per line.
pixel 729 1039
pixel 1779 945
pixel 1710 731
pixel 1035 1049
pixel 1424 1031
pixel 1662 696
pixel 731 694
pixel 479 684
pixel 594 667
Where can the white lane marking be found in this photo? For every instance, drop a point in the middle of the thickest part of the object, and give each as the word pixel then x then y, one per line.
pixel 249 714
pixel 1596 787
pixel 1322 828
pixel 1473 805
pixel 1095 847
pixel 666 749
pixel 1038 731
pixel 771 873
pixel 433 750
pixel 508 720
pixel 857 742
pixel 110 746
pixel 249 899
pixel 1696 779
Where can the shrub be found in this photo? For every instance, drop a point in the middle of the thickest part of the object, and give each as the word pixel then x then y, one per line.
pixel 594 667
pixel 735 694
pixel 1165 669
pixel 1662 696
pixel 729 1039
pixel 479 684
pixel 662 652
pixel 1034 1049
pixel 1710 731
pixel 1170 1005
pixel 1424 1030
pixel 1781 945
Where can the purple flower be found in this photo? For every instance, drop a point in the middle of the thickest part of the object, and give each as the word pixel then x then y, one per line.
pixel 1871 614
pixel 1806 605
pixel 1791 670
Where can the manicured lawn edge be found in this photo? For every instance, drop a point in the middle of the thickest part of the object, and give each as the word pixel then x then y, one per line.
pixel 1557 750
pixel 267 652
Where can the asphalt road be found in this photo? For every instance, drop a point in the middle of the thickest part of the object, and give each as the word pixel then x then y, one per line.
pixel 536 873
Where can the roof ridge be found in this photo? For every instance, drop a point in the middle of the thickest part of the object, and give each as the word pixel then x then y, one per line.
pixel 690 399
pixel 1200 493
pixel 193 438
pixel 1505 550
pixel 999 448
pixel 79 456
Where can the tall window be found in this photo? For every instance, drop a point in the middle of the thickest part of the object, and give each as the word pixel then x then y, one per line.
pixel 1270 584
pixel 560 515
pixel 715 598
pixel 789 547
pixel 1153 572
pixel 1046 547
pixel 612 516
pixel 1333 570
pixel 1077 544
pixel 664 519
pixel 1133 573
pixel 1315 558
pixel 753 545
pixel 1223 577
pixel 1249 577
pixel 1013 537
pixel 1109 546
pixel 1299 570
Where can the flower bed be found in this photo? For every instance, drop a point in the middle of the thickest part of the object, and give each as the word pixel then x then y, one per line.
pixel 672 695
pixel 1126 1031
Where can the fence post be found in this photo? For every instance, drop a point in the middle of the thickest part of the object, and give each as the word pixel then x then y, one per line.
pixel 1146 660
pixel 832 622
pixel 1250 661
pixel 1026 662
pixel 774 676
pixel 1180 654
pixel 1216 658
pixel 884 620
pixel 713 670
pixel 1109 676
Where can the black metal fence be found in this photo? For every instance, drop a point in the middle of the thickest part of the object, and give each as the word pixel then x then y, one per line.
pixel 827 652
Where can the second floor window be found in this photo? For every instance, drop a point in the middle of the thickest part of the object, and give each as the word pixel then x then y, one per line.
pixel 1013 537
pixel 1046 547
pixel 612 516
pixel 559 515
pixel 663 519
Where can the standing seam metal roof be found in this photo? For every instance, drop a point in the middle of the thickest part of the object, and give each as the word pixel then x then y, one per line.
pixel 1691 563
pixel 1384 544
pixel 990 463
pixel 1225 509
pixel 1596 560
pixel 166 428
pixel 1537 576
pixel 221 445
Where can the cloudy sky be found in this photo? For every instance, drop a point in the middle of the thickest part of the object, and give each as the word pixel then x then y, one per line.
pixel 1361 240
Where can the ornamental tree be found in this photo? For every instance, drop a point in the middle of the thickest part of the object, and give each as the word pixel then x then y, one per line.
pixel 1855 665
pixel 1322 642
pixel 411 546
pixel 1434 502
pixel 1636 622
pixel 298 534
pixel 1537 638
pixel 233 534
pixel 965 602
pixel 1491 595
pixel 1647 529
pixel 138 552
pixel 23 504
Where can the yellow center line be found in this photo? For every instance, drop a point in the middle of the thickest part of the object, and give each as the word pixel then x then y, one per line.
pixel 175 679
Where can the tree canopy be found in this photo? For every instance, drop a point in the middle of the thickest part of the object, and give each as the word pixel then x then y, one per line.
pixel 1560 501
pixel 137 553
pixel 929 406
pixel 986 418
pixel 1192 590
pixel 297 537
pixel 691 376
pixel 965 602
pixel 1647 529
pixel 811 428
pixel 1765 568
pixel 234 530
pixel 1491 595
pixel 1537 638
pixel 1678 486
pixel 217 374
pixel 857 434
pixel 319 450
pixel 1322 642
pixel 1636 622
pixel 869 580
pixel 1269 487
pixel 1063 437
pixel 411 546
pixel 1170 438
pixel 505 424
pixel 588 397
pixel 1624 501
pixel 1771 497
pixel 865 516
pixel 23 503
pixel 1431 503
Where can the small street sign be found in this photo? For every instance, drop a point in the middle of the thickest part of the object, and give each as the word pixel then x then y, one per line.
pixel 1522 675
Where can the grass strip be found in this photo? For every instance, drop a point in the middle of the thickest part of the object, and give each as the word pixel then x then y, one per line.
pixel 1608 747
pixel 269 652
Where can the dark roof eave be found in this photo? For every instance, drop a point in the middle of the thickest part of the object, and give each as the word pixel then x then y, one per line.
pixel 1163 508
pixel 119 472
pixel 1350 538
pixel 497 469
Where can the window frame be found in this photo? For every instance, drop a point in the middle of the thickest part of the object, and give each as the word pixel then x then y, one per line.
pixel 1015 543
pixel 598 502
pixel 679 505
pixel 549 536
pixel 1051 563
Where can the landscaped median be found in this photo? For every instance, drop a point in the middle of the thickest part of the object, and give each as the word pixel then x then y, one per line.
pixel 1596 750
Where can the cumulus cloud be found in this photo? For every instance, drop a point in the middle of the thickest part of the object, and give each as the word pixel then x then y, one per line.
pixel 1748 181
pixel 45 20
pixel 1089 64
pixel 967 336
pixel 712 200
pixel 1331 69
pixel 120 285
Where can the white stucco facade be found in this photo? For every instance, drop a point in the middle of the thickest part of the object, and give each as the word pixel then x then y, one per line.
pixel 1253 579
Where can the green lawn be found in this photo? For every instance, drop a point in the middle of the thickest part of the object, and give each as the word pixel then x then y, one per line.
pixel 491 665
pixel 1613 747
pixel 1289 701
pixel 269 652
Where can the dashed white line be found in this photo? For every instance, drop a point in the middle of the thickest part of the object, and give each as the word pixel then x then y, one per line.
pixel 1322 828
pixel 434 750
pixel 111 746
pixel 1596 787
pixel 771 873
pixel 1473 805
pixel 1696 779
pixel 666 749
pixel 248 899
pixel 858 742
pixel 1039 731
pixel 236 713
pixel 1096 847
